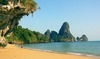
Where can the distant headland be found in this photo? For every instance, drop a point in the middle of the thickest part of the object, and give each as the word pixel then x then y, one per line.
pixel 25 36
pixel 64 35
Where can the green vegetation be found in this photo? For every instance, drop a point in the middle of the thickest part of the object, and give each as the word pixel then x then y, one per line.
pixel 3 2
pixel 2 45
pixel 21 35
pixel 11 11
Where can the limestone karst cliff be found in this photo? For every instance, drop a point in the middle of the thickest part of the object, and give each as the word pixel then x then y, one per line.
pixel 47 33
pixel 11 11
pixel 64 34
pixel 82 38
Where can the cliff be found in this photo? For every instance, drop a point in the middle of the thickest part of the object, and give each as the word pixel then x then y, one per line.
pixel 82 38
pixel 11 11
pixel 47 33
pixel 54 36
pixel 64 34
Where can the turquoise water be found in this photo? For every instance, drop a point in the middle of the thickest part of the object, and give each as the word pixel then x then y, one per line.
pixel 79 48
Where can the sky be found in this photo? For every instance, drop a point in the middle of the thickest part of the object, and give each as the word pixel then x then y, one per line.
pixel 83 17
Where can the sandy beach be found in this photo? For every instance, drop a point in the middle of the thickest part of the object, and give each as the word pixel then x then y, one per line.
pixel 13 52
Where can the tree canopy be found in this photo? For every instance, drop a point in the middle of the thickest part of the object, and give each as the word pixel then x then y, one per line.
pixel 24 35
pixel 11 11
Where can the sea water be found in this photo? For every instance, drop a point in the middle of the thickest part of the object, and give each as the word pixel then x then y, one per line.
pixel 79 48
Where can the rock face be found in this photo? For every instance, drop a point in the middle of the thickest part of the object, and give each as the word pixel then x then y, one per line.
pixel 11 11
pixel 54 36
pixel 47 33
pixel 78 39
pixel 64 29
pixel 83 38
pixel 64 33
pixel 3 42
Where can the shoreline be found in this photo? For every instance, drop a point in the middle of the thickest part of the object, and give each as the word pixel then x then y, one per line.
pixel 14 52
pixel 68 53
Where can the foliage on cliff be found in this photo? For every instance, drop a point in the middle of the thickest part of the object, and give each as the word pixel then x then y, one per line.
pixel 11 11
pixel 24 35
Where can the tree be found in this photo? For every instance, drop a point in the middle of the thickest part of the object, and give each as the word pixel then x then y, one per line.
pixel 11 11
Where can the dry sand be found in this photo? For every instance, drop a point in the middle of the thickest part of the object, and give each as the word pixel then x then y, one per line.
pixel 13 52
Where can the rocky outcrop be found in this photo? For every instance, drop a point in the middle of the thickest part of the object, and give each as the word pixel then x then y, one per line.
pixel 11 11
pixel 83 38
pixel 54 36
pixel 78 39
pixel 47 33
pixel 3 42
pixel 65 34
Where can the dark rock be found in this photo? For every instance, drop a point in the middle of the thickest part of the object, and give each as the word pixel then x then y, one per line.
pixel 54 36
pixel 47 33
pixel 78 39
pixel 64 33
pixel 64 29
pixel 83 38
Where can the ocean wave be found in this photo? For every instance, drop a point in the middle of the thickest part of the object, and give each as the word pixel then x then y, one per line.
pixel 74 53
pixel 90 49
pixel 81 54
pixel 39 49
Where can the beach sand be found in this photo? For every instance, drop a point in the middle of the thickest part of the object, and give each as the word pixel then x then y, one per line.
pixel 13 52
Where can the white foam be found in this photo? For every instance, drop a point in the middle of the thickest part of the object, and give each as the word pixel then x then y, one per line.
pixel 47 50
pixel 88 55
pixel 74 53
pixel 40 50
